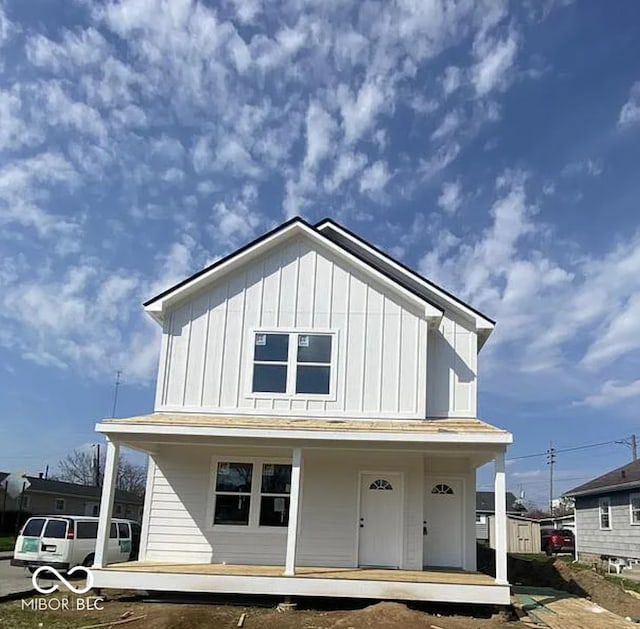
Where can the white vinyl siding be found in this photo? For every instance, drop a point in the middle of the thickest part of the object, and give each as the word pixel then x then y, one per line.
pixel 179 511
pixel 381 342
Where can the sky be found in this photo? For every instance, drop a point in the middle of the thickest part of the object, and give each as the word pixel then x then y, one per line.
pixel 493 146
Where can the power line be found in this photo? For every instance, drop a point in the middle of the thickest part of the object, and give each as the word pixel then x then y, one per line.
pixel 559 450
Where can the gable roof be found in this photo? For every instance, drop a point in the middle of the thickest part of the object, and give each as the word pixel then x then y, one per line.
pixel 401 272
pixel 624 477
pixel 486 501
pixel 63 488
pixel 156 306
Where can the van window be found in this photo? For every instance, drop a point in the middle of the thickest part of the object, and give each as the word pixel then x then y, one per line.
pixel 56 529
pixel 123 530
pixel 33 527
pixel 113 531
pixel 86 530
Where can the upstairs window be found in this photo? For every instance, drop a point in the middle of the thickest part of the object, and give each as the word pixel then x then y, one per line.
pixel 292 363
pixel 270 363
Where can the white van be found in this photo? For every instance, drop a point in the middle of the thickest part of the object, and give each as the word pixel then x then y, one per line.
pixel 63 542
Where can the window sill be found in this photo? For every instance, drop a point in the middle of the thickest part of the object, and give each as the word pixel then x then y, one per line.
pixel 240 528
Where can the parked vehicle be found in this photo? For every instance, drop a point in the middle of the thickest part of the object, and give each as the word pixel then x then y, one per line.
pixel 557 541
pixel 63 542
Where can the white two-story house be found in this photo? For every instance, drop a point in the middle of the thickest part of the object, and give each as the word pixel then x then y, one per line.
pixel 314 432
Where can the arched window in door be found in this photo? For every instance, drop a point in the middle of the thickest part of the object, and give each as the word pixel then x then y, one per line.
pixel 442 489
pixel 381 484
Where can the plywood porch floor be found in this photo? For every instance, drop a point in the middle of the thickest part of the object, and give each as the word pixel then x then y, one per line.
pixel 433 575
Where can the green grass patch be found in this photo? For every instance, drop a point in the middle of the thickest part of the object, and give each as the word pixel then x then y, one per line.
pixel 627 584
pixel 7 543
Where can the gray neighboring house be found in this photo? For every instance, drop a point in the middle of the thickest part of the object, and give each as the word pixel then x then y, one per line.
pixel 486 506
pixel 608 515
pixel 48 496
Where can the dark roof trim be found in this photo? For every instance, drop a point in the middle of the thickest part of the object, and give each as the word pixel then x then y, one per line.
pixel 275 231
pixel 607 489
pixel 404 267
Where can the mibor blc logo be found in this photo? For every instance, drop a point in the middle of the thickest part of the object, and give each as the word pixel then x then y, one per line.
pixel 54 586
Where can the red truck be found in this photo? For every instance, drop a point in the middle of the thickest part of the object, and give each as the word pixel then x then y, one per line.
pixel 557 541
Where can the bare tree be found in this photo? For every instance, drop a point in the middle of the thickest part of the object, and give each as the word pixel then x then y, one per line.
pixel 79 467
pixel 131 477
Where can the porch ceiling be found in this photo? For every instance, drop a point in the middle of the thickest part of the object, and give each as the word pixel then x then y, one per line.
pixel 459 431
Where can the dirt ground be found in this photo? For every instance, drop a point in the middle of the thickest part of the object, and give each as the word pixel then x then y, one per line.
pixel 576 579
pixel 164 615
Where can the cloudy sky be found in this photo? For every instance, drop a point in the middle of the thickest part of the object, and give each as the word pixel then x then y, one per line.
pixel 493 146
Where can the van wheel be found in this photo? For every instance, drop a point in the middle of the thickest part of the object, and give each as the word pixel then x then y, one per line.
pixel 88 560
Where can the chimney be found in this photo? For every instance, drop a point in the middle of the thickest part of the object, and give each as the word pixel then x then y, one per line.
pixel 623 473
pixel 40 474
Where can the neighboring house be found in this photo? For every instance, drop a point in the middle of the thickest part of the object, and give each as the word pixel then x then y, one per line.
pixel 567 521
pixel 314 431
pixel 485 506
pixel 48 496
pixel 607 515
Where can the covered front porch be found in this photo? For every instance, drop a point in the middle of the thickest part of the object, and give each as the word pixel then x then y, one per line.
pixel 456 586
pixel 338 536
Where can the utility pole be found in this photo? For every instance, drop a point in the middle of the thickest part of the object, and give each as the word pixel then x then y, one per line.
pixel 551 461
pixel 115 393
pixel 634 449
pixel 96 466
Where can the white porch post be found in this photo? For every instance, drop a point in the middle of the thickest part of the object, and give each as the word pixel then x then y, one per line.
pixel 500 490
pixel 106 503
pixel 294 513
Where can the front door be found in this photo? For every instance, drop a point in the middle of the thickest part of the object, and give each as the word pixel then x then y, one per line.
pixel 444 523
pixel 380 538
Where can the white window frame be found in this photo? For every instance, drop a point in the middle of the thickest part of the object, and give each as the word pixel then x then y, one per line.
pixel 255 494
pixel 55 505
pixel 633 497
pixel 292 364
pixel 605 500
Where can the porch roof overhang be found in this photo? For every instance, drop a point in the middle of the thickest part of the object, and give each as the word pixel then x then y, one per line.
pixel 443 431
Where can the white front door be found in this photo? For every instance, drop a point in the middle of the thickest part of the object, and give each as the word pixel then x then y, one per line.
pixel 380 538
pixel 444 523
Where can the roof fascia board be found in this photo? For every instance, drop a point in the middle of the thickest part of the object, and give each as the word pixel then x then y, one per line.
pixel 157 306
pixel 604 490
pixel 308 434
pixel 481 321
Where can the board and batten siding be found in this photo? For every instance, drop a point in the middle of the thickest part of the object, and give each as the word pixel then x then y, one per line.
pixel 178 527
pixel 381 353
pixel 388 364
pixel 622 540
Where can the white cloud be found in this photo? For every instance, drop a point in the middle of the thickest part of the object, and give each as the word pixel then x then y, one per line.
pixel 630 112
pixel 494 61
pixel 374 178
pixel 360 111
pixel 619 336
pixel 346 167
pixel 450 197
pixel 451 80
pixel 448 126
pixel 589 166
pixel 75 49
pixel 612 393
pixel 320 129
pixel 15 130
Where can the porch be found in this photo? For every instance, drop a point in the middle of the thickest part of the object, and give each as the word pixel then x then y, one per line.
pixel 456 586
pixel 308 508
